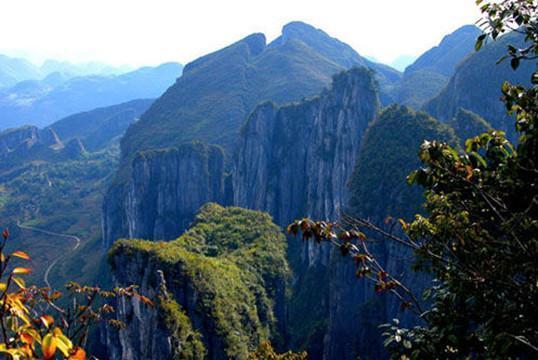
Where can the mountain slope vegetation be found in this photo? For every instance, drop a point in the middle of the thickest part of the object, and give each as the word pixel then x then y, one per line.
pixel 477 82
pixel 97 128
pixel 429 74
pixel 216 92
pixel 228 274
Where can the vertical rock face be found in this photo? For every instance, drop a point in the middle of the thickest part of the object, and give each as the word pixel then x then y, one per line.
pixel 296 160
pixel 291 161
pixel 164 191
pixel 226 279
pixel 145 337
pixel 379 189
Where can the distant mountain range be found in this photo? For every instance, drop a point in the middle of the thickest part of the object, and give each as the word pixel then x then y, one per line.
pixel 98 128
pixel 41 102
pixel 71 137
pixel 14 70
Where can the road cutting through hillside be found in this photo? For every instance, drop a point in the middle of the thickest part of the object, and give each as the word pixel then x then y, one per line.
pixel 55 261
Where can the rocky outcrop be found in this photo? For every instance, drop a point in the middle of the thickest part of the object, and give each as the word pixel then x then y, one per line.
pixel 291 161
pixel 296 160
pixel 75 149
pixel 146 337
pixel 29 143
pixel 226 281
pixel 379 189
pixel 11 140
pixel 164 191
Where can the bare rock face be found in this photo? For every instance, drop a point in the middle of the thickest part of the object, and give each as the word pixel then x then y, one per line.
pixel 164 191
pixel 379 189
pixel 145 337
pixel 296 160
pixel 28 143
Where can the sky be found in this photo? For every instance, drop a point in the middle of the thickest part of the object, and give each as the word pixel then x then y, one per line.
pixel 144 32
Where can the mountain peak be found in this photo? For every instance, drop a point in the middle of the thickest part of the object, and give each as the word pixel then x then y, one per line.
pixel 302 31
pixel 444 58
pixel 462 34
pixel 299 27
pixel 256 43
pixel 329 47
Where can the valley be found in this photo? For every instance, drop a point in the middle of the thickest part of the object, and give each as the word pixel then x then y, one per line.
pixel 66 251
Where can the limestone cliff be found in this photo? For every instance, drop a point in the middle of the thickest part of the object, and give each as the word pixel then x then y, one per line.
pixel 163 193
pixel 379 189
pixel 302 154
pixel 296 161
pixel 291 161
pixel 226 281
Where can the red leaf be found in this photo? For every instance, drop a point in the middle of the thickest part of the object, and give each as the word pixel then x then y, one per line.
pixel 21 254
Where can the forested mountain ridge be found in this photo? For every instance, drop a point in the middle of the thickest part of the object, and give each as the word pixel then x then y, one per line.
pixel 216 92
pixel 476 85
pixel 444 58
pixel 429 74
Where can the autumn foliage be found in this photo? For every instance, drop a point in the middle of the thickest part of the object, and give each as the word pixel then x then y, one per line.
pixel 33 326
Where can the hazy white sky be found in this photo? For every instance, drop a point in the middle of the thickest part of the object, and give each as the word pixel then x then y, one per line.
pixel 140 32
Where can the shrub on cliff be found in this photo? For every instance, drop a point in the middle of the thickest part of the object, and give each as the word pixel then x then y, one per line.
pixel 234 260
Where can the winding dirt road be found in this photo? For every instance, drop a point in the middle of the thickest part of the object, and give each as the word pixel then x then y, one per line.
pixel 58 258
